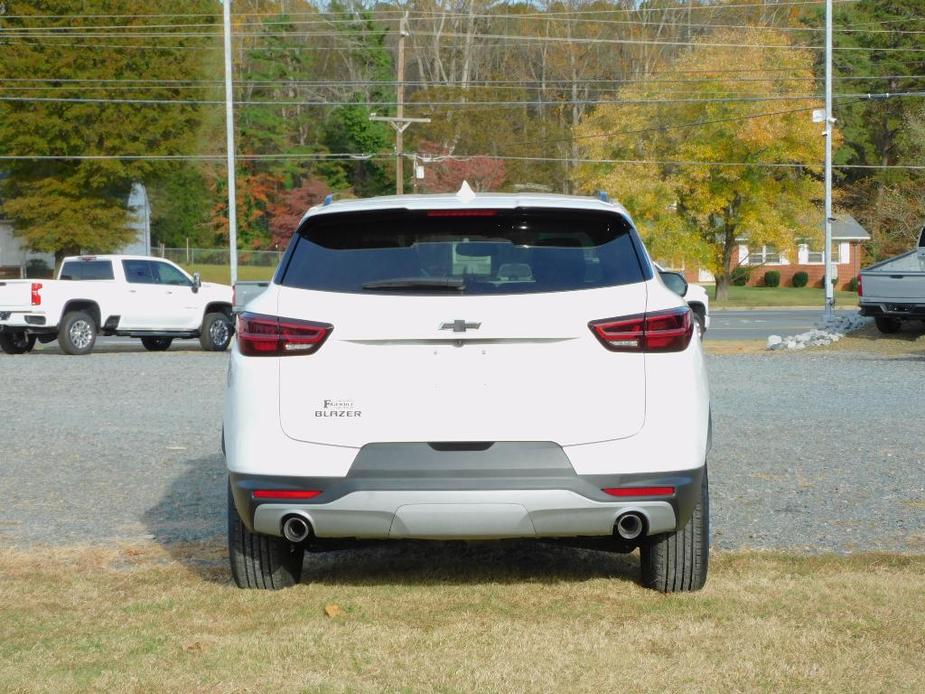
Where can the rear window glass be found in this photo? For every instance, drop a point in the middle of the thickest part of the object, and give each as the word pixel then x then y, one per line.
pixel 87 270
pixel 483 252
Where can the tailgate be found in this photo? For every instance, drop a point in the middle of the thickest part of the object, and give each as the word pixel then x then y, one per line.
pixel 393 371
pixel 15 295
pixel 893 286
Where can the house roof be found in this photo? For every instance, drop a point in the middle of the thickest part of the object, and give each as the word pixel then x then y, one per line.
pixel 847 228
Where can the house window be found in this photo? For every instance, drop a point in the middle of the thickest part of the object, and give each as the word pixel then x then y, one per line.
pixel 763 255
pixel 815 257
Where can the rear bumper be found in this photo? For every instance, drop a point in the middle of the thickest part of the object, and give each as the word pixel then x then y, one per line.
pixel 912 310
pixel 548 503
pixel 28 321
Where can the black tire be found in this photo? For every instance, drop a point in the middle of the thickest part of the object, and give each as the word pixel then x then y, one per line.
pixel 888 325
pixel 260 561
pixel 77 333
pixel 16 343
pixel 678 561
pixel 216 332
pixel 157 344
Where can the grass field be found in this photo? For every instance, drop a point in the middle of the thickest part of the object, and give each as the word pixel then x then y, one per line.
pixel 458 618
pixel 780 296
pixel 222 274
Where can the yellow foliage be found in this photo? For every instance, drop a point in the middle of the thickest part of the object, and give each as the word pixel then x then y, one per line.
pixel 697 212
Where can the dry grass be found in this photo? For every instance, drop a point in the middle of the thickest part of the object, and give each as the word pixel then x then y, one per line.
pixel 504 617
pixel 911 340
pixel 734 346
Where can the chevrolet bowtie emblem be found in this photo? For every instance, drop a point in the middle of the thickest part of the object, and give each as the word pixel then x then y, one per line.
pixel 459 326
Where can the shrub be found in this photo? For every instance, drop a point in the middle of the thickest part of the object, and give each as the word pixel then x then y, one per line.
pixel 853 285
pixel 37 268
pixel 740 276
pixel 772 278
pixel 800 279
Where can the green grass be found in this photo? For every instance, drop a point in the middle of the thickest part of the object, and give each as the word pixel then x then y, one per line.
pixel 780 296
pixel 222 274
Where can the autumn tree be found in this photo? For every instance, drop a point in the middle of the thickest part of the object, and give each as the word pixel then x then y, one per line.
pixel 69 108
pixel 709 169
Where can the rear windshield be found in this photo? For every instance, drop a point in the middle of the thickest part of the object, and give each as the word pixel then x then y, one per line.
pixel 86 270
pixel 463 252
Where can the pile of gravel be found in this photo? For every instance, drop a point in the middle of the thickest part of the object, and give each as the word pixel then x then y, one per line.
pixel 825 333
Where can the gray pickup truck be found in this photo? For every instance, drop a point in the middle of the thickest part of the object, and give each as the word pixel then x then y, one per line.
pixel 893 290
pixel 244 291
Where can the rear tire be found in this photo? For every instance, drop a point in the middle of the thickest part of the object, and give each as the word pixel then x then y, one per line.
pixel 77 333
pixel 16 343
pixel 216 332
pixel 157 344
pixel 888 325
pixel 260 561
pixel 678 561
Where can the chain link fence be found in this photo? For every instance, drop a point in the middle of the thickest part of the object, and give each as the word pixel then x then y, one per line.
pixel 217 256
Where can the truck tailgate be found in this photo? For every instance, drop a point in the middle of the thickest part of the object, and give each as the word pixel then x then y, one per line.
pixel 15 295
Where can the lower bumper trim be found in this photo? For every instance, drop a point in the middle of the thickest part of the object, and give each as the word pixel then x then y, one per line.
pixel 469 515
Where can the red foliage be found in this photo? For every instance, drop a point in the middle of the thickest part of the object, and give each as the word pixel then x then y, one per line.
pixel 290 205
pixel 482 173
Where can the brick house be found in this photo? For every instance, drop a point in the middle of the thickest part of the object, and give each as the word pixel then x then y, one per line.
pixel 847 237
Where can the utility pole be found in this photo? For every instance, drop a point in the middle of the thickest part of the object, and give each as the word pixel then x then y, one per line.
pixel 399 122
pixel 229 129
pixel 829 121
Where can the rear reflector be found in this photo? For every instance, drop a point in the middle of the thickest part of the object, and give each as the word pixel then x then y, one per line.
pixel 639 491
pixel 462 213
pixel 286 493
pixel 269 336
pixel 36 297
pixel 661 331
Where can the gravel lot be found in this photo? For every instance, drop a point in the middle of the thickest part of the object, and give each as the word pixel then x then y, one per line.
pixel 816 451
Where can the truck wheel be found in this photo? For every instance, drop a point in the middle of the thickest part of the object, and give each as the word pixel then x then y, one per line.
pixel 698 312
pixel 16 343
pixel 260 561
pixel 678 561
pixel 77 333
pixel 888 325
pixel 157 344
pixel 215 335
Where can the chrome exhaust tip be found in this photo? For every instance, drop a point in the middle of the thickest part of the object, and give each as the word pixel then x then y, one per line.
pixel 296 528
pixel 630 526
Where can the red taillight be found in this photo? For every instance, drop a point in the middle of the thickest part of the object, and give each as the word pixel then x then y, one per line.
pixel 639 491
pixel 860 288
pixel 286 493
pixel 36 297
pixel 462 213
pixel 269 336
pixel 662 331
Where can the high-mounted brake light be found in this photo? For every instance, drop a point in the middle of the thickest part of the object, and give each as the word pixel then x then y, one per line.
pixel 269 336
pixel 286 493
pixel 661 331
pixel 639 491
pixel 36 297
pixel 462 213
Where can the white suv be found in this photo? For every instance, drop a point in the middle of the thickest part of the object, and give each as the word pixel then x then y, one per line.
pixel 467 367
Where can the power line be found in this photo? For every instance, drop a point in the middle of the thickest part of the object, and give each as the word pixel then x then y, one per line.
pixel 695 8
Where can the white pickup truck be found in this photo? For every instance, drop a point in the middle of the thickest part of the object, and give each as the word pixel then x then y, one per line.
pixel 131 296
pixel 893 290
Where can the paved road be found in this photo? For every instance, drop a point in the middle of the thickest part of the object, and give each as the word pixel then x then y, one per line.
pixel 821 451
pixel 759 324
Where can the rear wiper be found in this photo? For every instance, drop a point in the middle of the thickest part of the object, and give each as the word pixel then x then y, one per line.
pixel 425 283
